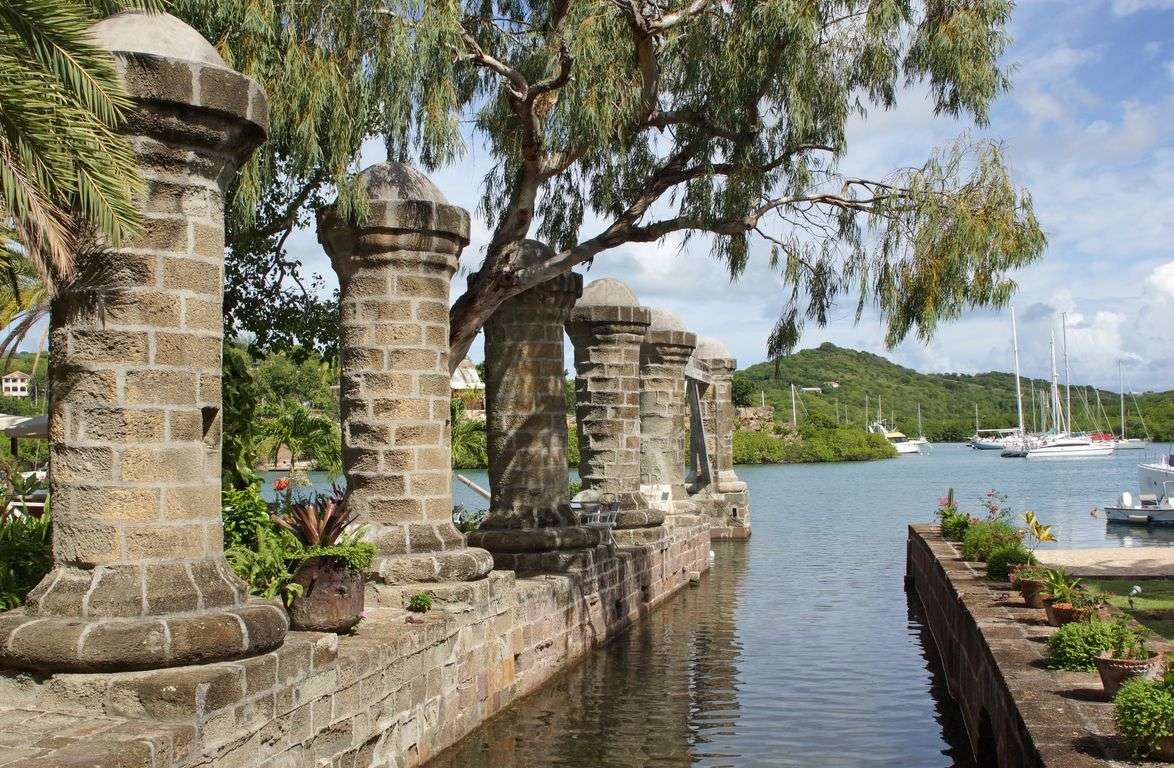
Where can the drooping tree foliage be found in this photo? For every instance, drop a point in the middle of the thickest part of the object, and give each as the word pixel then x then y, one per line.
pixel 619 121
pixel 64 171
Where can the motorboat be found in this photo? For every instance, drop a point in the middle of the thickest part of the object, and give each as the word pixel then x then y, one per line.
pixel 992 439
pixel 1062 445
pixel 1147 509
pixel 1155 474
pixel 898 440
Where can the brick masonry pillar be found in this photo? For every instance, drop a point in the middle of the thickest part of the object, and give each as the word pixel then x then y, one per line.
pixel 526 423
pixel 139 578
pixel 607 327
pixel 394 269
pixel 728 495
pixel 663 409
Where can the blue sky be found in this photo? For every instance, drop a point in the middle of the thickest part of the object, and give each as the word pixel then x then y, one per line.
pixel 1087 128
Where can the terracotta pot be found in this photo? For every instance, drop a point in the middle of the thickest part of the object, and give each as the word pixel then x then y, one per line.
pixel 1060 614
pixel 1034 591
pixel 332 596
pixel 1114 672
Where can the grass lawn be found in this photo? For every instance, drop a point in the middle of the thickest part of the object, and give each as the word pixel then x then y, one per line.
pixel 1154 607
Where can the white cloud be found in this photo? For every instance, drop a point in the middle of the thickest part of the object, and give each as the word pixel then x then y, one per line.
pixel 1126 7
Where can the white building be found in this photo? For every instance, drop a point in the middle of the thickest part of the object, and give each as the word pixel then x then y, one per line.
pixel 15 384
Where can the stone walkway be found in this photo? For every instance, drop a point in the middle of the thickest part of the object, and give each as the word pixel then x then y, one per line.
pixel 1122 562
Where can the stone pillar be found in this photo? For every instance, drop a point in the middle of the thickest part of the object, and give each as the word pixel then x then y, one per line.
pixel 394 269
pixel 607 327
pixel 726 494
pixel 139 578
pixel 529 516
pixel 666 349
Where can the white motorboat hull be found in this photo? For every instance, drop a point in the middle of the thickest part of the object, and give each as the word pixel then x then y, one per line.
pixel 1071 451
pixel 1140 515
pixel 1154 477
pixel 1130 444
pixel 906 449
pixel 986 445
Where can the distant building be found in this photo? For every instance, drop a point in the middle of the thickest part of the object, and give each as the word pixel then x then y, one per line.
pixel 816 390
pixel 466 384
pixel 15 384
pixel 832 384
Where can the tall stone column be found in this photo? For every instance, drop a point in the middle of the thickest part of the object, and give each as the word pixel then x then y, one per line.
pixel 607 327
pixel 727 494
pixel 139 578
pixel 394 269
pixel 530 518
pixel 663 408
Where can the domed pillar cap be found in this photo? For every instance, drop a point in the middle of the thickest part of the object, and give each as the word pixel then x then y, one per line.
pixel 609 300
pixel 668 330
pixel 713 352
pixel 405 211
pixel 162 59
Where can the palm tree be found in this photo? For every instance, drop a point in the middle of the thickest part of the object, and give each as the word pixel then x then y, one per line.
pixel 308 436
pixel 469 445
pixel 62 165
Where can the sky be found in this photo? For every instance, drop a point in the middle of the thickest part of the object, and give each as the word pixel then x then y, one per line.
pixel 1088 128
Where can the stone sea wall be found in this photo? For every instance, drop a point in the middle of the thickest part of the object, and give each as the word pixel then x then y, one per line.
pixel 393 694
pixel 1018 714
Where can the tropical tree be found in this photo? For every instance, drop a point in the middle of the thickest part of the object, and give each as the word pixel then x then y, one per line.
pixel 469 443
pixel 63 169
pixel 306 434
pixel 618 121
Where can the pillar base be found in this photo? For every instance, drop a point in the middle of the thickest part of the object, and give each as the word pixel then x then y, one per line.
pixel 464 564
pixel 639 518
pixel 70 644
pixel 640 537
pixel 547 539
pixel 583 559
pixel 728 513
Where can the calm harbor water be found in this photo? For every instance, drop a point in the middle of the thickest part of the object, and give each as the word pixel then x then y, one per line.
pixel 799 648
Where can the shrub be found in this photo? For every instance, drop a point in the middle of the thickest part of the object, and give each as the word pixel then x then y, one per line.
pixel 954 526
pixel 420 603
pixel 26 555
pixel 985 536
pixel 268 566
pixel 1074 646
pixel 243 512
pixel 1144 710
pixel 999 562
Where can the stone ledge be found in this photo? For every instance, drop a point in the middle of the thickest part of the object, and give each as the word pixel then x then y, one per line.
pixel 1017 712
pixel 397 691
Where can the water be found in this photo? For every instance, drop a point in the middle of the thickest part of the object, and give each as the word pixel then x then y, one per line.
pixel 800 647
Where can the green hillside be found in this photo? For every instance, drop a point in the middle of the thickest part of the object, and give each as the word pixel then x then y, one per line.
pixel 947 400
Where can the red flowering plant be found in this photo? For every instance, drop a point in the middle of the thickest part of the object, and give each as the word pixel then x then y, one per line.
pixel 954 523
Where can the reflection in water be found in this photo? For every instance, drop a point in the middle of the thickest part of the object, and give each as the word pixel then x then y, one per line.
pixel 657 696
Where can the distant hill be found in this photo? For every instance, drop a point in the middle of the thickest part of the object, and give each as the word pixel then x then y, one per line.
pixel 947 399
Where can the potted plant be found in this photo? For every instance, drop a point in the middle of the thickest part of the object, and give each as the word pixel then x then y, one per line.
pixel 1067 599
pixel 1128 657
pixel 328 595
pixel 1033 585
pixel 1144 711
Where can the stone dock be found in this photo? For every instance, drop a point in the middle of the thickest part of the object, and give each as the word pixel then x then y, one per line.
pixel 1018 714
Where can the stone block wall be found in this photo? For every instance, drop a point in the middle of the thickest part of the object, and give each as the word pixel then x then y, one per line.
pixel 1017 713
pixel 393 694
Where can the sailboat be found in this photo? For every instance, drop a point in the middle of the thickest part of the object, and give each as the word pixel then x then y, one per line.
pixel 1124 443
pixel 903 445
pixel 989 439
pixel 1059 442
pixel 1018 445
pixel 921 439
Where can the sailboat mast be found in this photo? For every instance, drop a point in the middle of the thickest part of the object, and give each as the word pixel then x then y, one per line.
pixel 794 413
pixel 976 419
pixel 1067 374
pixel 1034 412
pixel 1121 376
pixel 866 411
pixel 1057 415
pixel 920 431
pixel 1018 387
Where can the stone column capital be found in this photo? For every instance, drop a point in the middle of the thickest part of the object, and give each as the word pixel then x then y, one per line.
pixel 406 221
pixel 670 346
pixel 603 319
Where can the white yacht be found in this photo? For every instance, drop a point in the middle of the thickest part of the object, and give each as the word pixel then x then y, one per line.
pixel 1060 442
pixel 1124 443
pixel 898 440
pixel 1155 474
pixel 1153 505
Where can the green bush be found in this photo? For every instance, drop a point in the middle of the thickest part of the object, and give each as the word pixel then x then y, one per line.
pixel 26 555
pixel 758 448
pixel 420 603
pixel 1144 710
pixel 812 445
pixel 1074 646
pixel 999 562
pixel 954 526
pixel 985 536
pixel 243 512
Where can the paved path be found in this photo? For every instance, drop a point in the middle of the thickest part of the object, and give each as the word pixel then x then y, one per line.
pixel 1119 561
